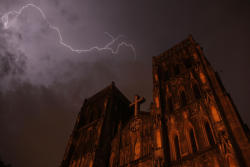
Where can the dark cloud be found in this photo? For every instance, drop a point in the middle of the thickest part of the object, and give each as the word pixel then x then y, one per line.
pixel 12 60
pixel 56 2
pixel 37 117
pixel 9 4
pixel 11 65
pixel 71 17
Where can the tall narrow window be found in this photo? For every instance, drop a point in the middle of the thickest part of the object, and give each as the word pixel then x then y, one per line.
pixel 91 116
pixel 177 69
pixel 158 75
pixel 170 104
pixel 198 52
pixel 192 140
pixel 196 92
pixel 177 148
pixel 209 134
pixel 165 75
pixel 183 99
pixel 188 62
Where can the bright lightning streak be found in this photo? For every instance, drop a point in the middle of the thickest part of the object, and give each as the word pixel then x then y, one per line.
pixel 107 47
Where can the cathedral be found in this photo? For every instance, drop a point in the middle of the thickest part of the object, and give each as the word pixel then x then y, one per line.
pixel 193 121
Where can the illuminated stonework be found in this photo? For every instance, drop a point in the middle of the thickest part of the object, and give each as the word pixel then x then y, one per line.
pixel 202 78
pixel 202 124
pixel 157 102
pixel 192 123
pixel 158 139
pixel 215 114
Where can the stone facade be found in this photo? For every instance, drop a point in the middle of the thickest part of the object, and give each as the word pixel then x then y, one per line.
pixel 193 120
pixel 95 127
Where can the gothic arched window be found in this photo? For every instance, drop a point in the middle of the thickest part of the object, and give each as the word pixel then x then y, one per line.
pixel 170 104
pixel 177 148
pixel 165 75
pixel 176 69
pixel 91 116
pixel 192 140
pixel 209 134
pixel 188 62
pixel 183 99
pixel 197 92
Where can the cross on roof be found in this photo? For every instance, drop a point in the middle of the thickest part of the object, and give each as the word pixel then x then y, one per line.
pixel 138 100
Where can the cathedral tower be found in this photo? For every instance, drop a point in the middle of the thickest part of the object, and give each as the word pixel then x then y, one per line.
pixel 97 123
pixel 201 124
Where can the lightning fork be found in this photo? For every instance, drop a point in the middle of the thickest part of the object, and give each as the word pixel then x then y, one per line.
pixel 107 47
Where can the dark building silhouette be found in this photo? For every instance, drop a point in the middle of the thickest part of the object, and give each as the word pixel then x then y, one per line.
pixel 193 121
pixel 2 164
pixel 95 127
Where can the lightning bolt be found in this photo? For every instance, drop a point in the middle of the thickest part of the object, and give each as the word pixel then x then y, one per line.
pixel 107 47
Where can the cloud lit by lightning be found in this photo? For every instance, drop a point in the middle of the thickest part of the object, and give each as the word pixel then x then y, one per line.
pixel 16 13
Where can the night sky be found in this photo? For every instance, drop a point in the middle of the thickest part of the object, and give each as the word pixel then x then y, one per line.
pixel 43 84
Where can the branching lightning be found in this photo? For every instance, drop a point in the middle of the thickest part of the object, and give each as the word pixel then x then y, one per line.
pixel 107 47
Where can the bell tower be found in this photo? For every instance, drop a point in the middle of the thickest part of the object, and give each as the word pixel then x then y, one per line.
pixel 97 123
pixel 201 124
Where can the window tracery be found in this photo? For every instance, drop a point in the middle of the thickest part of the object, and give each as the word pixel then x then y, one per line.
pixel 209 134
pixel 192 140
pixel 196 91
pixel 183 98
pixel 177 148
